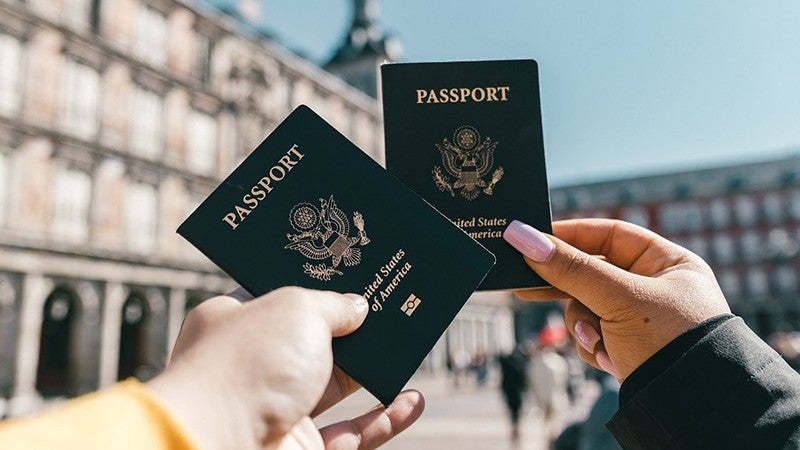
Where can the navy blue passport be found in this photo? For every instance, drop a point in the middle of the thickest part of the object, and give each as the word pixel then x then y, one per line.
pixel 308 208
pixel 467 137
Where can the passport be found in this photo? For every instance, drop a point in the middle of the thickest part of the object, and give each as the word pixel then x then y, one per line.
pixel 467 137
pixel 308 208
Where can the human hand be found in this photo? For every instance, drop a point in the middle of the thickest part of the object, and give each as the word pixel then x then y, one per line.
pixel 251 376
pixel 630 291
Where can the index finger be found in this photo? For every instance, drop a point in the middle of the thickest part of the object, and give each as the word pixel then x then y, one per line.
pixel 625 245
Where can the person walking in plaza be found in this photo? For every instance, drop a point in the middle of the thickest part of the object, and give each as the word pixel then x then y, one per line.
pixel 513 376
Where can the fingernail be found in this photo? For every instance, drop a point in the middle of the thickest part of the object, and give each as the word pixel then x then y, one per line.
pixel 605 363
pixel 359 302
pixel 529 241
pixel 587 336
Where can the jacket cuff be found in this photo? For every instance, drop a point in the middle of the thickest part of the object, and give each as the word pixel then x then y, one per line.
pixel 701 384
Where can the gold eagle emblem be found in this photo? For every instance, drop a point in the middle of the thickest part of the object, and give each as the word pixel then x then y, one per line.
pixel 324 233
pixel 468 159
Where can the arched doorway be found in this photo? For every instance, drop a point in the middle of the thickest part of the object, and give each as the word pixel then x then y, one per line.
pixel 133 338
pixel 55 376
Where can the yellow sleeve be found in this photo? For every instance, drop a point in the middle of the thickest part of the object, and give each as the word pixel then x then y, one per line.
pixel 126 416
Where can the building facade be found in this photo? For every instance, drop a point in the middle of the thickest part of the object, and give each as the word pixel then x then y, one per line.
pixel 117 117
pixel 744 220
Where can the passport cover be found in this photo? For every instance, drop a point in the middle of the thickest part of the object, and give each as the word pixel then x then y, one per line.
pixel 308 208
pixel 467 137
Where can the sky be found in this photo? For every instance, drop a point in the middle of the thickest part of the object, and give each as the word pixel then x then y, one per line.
pixel 628 87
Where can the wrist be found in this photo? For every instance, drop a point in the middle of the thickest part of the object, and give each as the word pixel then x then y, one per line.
pixel 202 407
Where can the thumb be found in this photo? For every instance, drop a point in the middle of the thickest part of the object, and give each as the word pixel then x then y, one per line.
pixel 599 285
pixel 344 313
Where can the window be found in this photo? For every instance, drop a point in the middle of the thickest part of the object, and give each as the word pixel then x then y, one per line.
pixel 151 36
pixel 140 216
pixel 202 142
pixel 694 217
pixel 773 207
pixel 636 215
pixel 72 192
pixel 699 246
pixel 785 279
pixel 729 282
pixel 146 119
pixel 202 58
pixel 757 283
pixel 751 246
pixel 77 13
pixel 780 245
pixel 724 250
pixel 720 213
pixel 794 204
pixel 79 96
pixel 672 218
pixel 746 211
pixel 10 89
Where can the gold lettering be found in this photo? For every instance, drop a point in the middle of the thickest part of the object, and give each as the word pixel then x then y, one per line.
pixel 264 182
pixel 480 91
pixel 258 193
pixel 250 201
pixel 230 218
pixel 444 96
pixel 243 212
pixel 275 177
pixel 264 186
pixel 463 97
pixel 477 94
pixel 503 90
pixel 296 152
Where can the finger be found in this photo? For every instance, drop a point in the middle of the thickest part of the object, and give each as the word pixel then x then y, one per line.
pixel 215 306
pixel 540 295
pixel 596 283
pixel 605 363
pixel 339 387
pixel 343 313
pixel 302 436
pixel 623 244
pixel 377 426
pixel 583 324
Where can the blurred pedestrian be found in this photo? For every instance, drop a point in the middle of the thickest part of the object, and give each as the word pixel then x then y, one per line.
pixel 480 365
pixel 549 373
pixel 512 385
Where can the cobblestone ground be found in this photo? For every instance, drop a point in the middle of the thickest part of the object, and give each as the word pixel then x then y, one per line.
pixel 468 418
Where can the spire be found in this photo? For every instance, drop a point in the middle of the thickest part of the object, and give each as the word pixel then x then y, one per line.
pixel 364 42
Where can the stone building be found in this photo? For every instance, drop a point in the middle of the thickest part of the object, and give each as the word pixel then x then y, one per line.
pixel 743 219
pixel 116 118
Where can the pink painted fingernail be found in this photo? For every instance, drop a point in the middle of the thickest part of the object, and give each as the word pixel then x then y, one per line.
pixel 587 336
pixel 529 241
pixel 605 363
